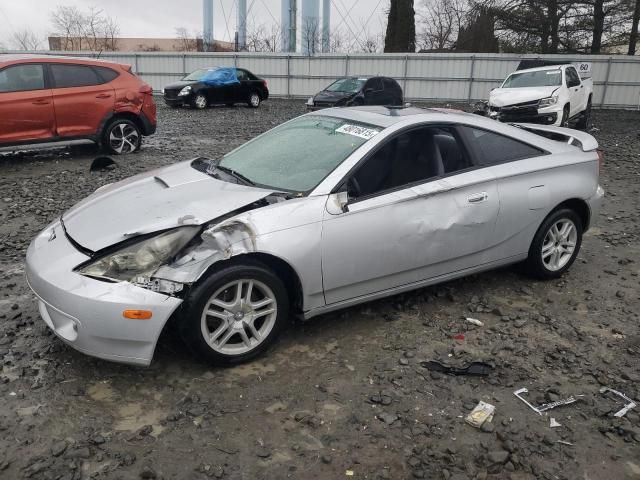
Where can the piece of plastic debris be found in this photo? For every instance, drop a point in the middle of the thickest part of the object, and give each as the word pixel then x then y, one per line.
pixel 482 413
pixel 565 443
pixel 630 403
pixel 102 163
pixel 349 473
pixel 473 368
pixel 545 406
pixel 475 321
pixel 553 423
pixel 458 337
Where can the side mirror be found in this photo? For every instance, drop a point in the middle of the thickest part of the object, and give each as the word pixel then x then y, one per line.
pixel 337 203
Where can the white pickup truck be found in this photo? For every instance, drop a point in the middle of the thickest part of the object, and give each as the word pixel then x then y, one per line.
pixel 551 95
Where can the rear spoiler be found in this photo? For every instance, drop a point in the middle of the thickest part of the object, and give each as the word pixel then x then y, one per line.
pixel 566 135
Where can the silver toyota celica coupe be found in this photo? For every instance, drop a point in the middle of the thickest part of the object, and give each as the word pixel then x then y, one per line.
pixel 323 212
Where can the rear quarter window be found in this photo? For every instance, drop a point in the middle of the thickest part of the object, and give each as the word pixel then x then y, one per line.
pixel 107 74
pixel 65 76
pixel 492 148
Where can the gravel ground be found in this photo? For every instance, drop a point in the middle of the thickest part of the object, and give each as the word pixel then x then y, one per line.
pixel 344 394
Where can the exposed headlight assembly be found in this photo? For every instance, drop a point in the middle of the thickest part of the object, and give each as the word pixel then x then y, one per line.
pixel 547 102
pixel 185 91
pixel 138 261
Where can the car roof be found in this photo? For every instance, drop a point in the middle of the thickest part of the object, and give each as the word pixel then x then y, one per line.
pixel 542 69
pixel 37 58
pixel 386 116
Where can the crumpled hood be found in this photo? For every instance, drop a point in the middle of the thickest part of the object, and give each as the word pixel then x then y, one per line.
pixel 502 97
pixel 331 97
pixel 164 198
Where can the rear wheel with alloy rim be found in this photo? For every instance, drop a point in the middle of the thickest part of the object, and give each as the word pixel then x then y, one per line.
pixel 199 101
pixel 122 136
pixel 555 245
pixel 234 314
pixel 254 100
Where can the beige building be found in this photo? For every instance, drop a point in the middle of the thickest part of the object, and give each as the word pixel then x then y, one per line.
pixel 124 44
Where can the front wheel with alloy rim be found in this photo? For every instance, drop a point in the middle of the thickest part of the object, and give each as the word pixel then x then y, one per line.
pixel 199 101
pixel 555 245
pixel 122 136
pixel 234 314
pixel 254 100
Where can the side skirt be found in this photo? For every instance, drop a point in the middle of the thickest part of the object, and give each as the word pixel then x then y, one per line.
pixel 411 286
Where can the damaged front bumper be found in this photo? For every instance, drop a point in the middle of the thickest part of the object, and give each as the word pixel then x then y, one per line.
pixel 527 112
pixel 86 313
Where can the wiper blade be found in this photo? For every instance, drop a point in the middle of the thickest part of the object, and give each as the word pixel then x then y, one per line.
pixel 235 174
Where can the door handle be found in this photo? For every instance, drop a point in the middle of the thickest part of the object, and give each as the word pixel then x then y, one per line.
pixel 40 102
pixel 477 197
pixel 103 95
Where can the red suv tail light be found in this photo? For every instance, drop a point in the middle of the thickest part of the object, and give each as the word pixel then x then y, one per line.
pixel 600 160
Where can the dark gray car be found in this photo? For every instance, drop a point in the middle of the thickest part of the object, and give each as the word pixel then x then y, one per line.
pixel 351 91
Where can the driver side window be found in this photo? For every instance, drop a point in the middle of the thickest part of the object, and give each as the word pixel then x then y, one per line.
pixel 411 157
pixel 573 80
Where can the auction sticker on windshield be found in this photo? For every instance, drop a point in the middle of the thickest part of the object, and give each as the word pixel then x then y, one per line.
pixel 358 131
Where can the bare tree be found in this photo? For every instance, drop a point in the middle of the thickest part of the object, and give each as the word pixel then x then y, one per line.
pixel 261 39
pixel 26 40
pixel 310 35
pixel 185 41
pixel 337 41
pixel 441 21
pixel 91 30
pixel 372 43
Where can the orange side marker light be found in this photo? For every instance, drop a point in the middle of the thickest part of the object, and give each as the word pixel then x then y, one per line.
pixel 137 314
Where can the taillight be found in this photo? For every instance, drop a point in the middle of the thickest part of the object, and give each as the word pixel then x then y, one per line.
pixel 600 160
pixel 264 82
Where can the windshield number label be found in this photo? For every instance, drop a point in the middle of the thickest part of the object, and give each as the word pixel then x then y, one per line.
pixel 357 131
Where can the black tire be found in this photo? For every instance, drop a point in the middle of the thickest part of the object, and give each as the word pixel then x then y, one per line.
pixel 535 265
pixel 199 101
pixel 585 119
pixel 190 322
pixel 254 99
pixel 231 104
pixel 121 136
pixel 564 122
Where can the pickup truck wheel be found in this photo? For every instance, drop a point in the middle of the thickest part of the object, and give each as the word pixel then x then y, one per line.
pixel 585 120
pixel 565 117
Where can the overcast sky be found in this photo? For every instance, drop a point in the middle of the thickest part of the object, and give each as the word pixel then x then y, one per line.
pixel 160 18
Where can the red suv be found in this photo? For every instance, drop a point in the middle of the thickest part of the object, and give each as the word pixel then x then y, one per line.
pixel 54 99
